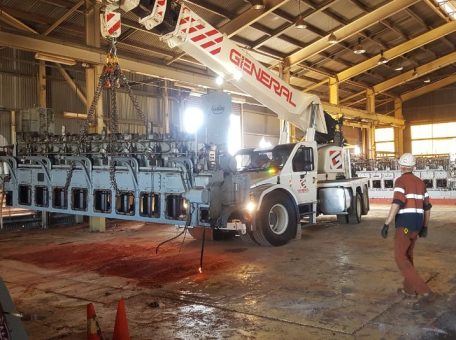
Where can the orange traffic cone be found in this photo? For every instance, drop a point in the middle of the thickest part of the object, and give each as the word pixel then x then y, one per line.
pixel 121 325
pixel 93 328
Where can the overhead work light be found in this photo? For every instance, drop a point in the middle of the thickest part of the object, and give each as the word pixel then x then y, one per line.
pixel 257 4
pixel 192 119
pixel 55 59
pixel 448 7
pixel 359 49
pixel 332 39
pixel 382 59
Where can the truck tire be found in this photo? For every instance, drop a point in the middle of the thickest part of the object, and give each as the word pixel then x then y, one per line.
pixel 276 222
pixel 354 213
pixel 248 237
pixel 366 205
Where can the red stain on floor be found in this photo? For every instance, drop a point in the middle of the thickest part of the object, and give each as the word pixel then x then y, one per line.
pixel 133 261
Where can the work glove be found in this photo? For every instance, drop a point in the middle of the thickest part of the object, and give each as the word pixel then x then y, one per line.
pixel 385 230
pixel 423 232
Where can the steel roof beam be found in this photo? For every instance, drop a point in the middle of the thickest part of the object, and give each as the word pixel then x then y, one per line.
pixel 429 88
pixel 350 29
pixel 14 22
pixel 396 51
pixel 250 16
pixel 98 56
pixel 420 71
pixel 64 17
pixel 361 114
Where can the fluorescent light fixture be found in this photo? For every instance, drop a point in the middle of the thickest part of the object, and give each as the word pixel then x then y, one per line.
pixel 399 68
pixel 359 49
pixel 427 80
pixel 382 59
pixel 300 23
pixel 257 4
pixel 447 6
pixel 55 59
pixel 219 80
pixel 332 39
pixel 192 119
pixel 75 115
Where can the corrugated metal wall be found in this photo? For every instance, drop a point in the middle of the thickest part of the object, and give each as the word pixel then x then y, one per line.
pixel 437 106
pixel 17 79
pixel 434 107
pixel 259 123
pixel 5 128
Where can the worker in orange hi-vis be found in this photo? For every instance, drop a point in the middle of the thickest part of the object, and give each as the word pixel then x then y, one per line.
pixel 411 210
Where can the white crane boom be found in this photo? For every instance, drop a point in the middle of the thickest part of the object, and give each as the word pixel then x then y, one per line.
pixel 193 35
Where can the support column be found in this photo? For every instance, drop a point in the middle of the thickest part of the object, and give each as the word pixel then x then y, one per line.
pixel 370 107
pixel 42 84
pixel 333 91
pixel 97 224
pixel 398 131
pixel 166 107
pixel 92 35
pixel 13 131
pixel 291 127
pixel 364 143
pixel 92 75
pixel 42 103
pixel 285 127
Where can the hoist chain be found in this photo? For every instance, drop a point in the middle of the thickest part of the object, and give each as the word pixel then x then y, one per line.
pixel 133 99
pixel 111 79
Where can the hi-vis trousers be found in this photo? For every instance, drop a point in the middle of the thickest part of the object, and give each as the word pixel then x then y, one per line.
pixel 404 242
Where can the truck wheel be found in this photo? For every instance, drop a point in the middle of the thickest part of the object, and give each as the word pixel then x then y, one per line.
pixel 248 237
pixel 354 213
pixel 276 221
pixel 366 205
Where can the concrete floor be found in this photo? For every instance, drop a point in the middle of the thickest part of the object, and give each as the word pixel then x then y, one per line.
pixel 336 282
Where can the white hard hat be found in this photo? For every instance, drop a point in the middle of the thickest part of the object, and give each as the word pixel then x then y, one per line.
pixel 407 159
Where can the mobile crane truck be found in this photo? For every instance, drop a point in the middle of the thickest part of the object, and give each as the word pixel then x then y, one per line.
pixel 262 194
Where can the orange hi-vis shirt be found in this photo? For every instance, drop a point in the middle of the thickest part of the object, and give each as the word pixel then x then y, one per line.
pixel 411 195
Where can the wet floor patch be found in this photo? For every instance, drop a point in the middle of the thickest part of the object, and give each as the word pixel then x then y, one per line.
pixel 134 261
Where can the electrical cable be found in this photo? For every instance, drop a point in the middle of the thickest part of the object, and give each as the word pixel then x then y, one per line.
pixel 183 240
pixel 202 250
pixel 166 241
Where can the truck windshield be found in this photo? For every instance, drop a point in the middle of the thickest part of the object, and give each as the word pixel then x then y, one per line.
pixel 263 159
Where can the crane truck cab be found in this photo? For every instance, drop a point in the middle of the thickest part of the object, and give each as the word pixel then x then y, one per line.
pixel 291 183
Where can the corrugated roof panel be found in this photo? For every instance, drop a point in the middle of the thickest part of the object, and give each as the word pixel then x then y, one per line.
pixel 281 46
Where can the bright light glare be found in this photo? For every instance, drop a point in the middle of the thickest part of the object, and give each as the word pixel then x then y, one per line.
pixel 219 80
pixel 357 150
pixel 250 206
pixel 234 134
pixel 264 143
pixel 237 74
pixel 192 119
